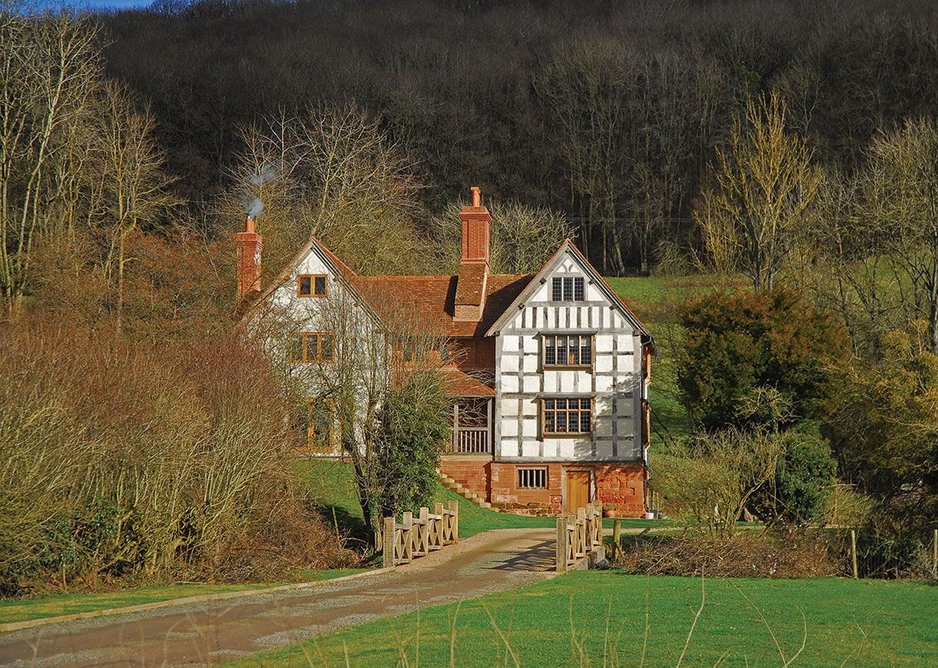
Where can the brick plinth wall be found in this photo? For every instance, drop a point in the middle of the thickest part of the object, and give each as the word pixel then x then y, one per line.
pixel 621 488
pixel 506 493
pixel 471 473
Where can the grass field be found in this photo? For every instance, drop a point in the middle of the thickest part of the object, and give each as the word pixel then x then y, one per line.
pixel 840 622
pixel 21 609
pixel 657 301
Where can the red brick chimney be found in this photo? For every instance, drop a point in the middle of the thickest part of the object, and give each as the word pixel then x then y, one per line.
pixel 250 244
pixel 474 264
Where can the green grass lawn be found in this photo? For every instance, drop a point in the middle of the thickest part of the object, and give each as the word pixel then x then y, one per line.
pixel 842 622
pixel 21 609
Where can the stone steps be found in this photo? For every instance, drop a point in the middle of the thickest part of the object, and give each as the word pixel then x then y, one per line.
pixel 466 493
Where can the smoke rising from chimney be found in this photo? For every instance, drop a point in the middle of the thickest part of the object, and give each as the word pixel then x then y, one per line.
pixel 253 206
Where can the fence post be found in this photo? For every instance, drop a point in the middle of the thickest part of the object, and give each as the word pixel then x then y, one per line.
pixel 581 548
pixel 616 537
pixel 388 542
pixel 423 530
pixel 408 536
pixel 454 506
pixel 438 511
pixel 853 553
pixel 561 544
pixel 934 552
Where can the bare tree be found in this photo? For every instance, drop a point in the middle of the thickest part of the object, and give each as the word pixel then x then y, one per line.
pixel 586 93
pixel 332 173
pixel 522 237
pixel 48 70
pixel 133 186
pixel 355 371
pixel 759 204
pixel 901 186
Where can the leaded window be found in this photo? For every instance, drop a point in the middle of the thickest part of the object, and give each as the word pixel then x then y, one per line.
pixel 568 350
pixel 567 416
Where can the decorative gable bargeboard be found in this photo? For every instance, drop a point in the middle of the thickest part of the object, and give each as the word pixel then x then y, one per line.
pixel 550 389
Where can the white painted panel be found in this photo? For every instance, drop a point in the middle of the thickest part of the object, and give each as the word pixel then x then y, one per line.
pixel 532 384
pixel 509 383
pixel 603 363
pixel 529 428
pixel 624 426
pixel 509 448
pixel 624 342
pixel 604 449
pixel 510 407
pixel 510 427
pixel 602 426
pixel 594 294
pixel 531 363
pixel 625 363
pixel 510 364
pixel 551 382
pixel 567 448
pixel 603 383
pixel 529 408
pixel 530 448
pixel 531 344
pixel 511 343
pixel 603 343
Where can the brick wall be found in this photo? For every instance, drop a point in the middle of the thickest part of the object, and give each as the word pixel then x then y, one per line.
pixel 506 493
pixel 472 474
pixel 621 488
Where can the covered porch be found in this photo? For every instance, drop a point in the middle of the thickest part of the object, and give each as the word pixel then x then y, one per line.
pixel 472 414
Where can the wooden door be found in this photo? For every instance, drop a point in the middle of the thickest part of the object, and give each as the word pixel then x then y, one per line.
pixel 578 490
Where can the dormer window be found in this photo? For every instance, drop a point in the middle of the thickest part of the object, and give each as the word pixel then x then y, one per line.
pixel 568 289
pixel 311 285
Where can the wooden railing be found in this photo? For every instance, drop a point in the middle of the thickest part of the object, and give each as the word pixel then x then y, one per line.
pixel 413 538
pixel 578 535
pixel 470 440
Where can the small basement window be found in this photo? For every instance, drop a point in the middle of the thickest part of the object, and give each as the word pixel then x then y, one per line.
pixel 567 289
pixel 311 285
pixel 533 478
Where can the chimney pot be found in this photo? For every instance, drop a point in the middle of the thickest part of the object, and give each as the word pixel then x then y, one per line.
pixel 471 285
pixel 249 246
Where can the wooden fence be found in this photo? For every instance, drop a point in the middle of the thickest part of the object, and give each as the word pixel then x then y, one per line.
pixel 578 535
pixel 413 538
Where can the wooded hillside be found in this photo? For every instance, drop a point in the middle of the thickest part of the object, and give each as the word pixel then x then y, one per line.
pixel 607 111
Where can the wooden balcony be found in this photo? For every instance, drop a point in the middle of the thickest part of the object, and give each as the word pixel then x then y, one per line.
pixel 471 441
pixel 471 427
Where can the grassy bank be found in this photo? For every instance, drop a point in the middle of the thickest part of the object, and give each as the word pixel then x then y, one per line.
pixel 636 620
pixel 657 301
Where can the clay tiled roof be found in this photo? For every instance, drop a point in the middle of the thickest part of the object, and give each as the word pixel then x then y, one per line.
pixel 459 384
pixel 471 283
pixel 429 301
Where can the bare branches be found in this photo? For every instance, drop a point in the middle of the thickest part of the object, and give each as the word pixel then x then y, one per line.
pixel 336 176
pixel 764 188
pixel 48 70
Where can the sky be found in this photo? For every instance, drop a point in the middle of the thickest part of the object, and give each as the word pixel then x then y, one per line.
pixel 93 4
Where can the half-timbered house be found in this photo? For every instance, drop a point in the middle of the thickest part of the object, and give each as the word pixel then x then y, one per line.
pixel 548 373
